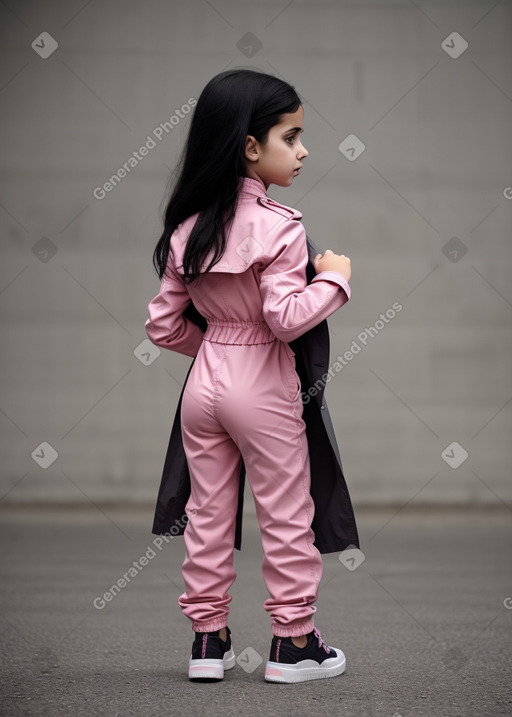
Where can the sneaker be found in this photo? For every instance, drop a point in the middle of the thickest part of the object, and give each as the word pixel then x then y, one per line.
pixel 288 663
pixel 211 656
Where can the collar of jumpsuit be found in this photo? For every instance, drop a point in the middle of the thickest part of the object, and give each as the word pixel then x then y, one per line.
pixel 243 250
pixel 250 188
pixel 248 185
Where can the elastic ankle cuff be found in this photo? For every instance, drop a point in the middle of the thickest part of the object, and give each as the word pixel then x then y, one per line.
pixel 211 626
pixel 295 630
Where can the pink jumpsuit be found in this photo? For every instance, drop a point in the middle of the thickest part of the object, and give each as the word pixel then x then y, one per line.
pixel 243 399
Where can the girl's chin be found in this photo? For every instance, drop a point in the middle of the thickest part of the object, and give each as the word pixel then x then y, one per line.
pixel 283 182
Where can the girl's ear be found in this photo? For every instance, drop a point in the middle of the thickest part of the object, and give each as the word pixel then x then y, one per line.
pixel 251 149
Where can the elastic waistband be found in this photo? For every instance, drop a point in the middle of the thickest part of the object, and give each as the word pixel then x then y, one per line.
pixel 243 333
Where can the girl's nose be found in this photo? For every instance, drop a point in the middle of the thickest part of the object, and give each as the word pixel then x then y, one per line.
pixel 304 152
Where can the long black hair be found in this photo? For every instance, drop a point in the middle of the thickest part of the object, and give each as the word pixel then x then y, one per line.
pixel 233 104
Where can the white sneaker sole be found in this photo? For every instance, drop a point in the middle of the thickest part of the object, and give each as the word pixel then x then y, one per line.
pixel 306 669
pixel 202 669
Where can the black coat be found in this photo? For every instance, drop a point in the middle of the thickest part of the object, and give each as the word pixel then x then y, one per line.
pixel 334 522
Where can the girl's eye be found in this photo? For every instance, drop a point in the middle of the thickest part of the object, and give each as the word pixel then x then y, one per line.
pixel 290 139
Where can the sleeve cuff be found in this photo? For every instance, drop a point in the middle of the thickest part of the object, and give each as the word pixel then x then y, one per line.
pixel 336 277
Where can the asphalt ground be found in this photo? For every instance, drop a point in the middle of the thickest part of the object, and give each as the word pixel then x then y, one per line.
pixel 425 620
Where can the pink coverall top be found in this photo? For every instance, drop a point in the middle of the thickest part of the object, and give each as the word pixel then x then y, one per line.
pixel 256 292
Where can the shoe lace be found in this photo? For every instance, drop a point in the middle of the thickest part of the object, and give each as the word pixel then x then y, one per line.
pixel 321 643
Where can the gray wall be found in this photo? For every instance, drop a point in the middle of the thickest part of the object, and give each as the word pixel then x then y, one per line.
pixel 435 170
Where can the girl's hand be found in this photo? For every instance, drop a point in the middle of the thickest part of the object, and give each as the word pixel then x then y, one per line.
pixel 333 262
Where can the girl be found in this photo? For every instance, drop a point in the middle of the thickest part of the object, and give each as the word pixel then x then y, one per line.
pixel 241 258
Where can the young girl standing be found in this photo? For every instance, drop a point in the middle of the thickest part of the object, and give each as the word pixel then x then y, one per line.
pixel 240 258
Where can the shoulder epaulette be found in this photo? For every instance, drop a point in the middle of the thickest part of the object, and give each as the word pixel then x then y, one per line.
pixel 282 209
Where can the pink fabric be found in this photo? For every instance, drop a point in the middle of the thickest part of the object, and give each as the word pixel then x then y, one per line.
pixel 243 399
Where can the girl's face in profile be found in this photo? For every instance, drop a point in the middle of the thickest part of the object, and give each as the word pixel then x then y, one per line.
pixel 279 159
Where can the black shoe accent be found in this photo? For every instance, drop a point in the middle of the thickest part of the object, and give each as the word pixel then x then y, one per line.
pixel 209 645
pixel 284 651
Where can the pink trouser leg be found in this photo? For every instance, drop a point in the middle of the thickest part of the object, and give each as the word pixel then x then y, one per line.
pixel 208 571
pixel 277 462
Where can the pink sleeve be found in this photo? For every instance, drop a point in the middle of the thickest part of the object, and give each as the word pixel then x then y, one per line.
pixel 291 306
pixel 166 326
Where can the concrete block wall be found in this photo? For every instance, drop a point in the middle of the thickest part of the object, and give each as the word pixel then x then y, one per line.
pixel 424 212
